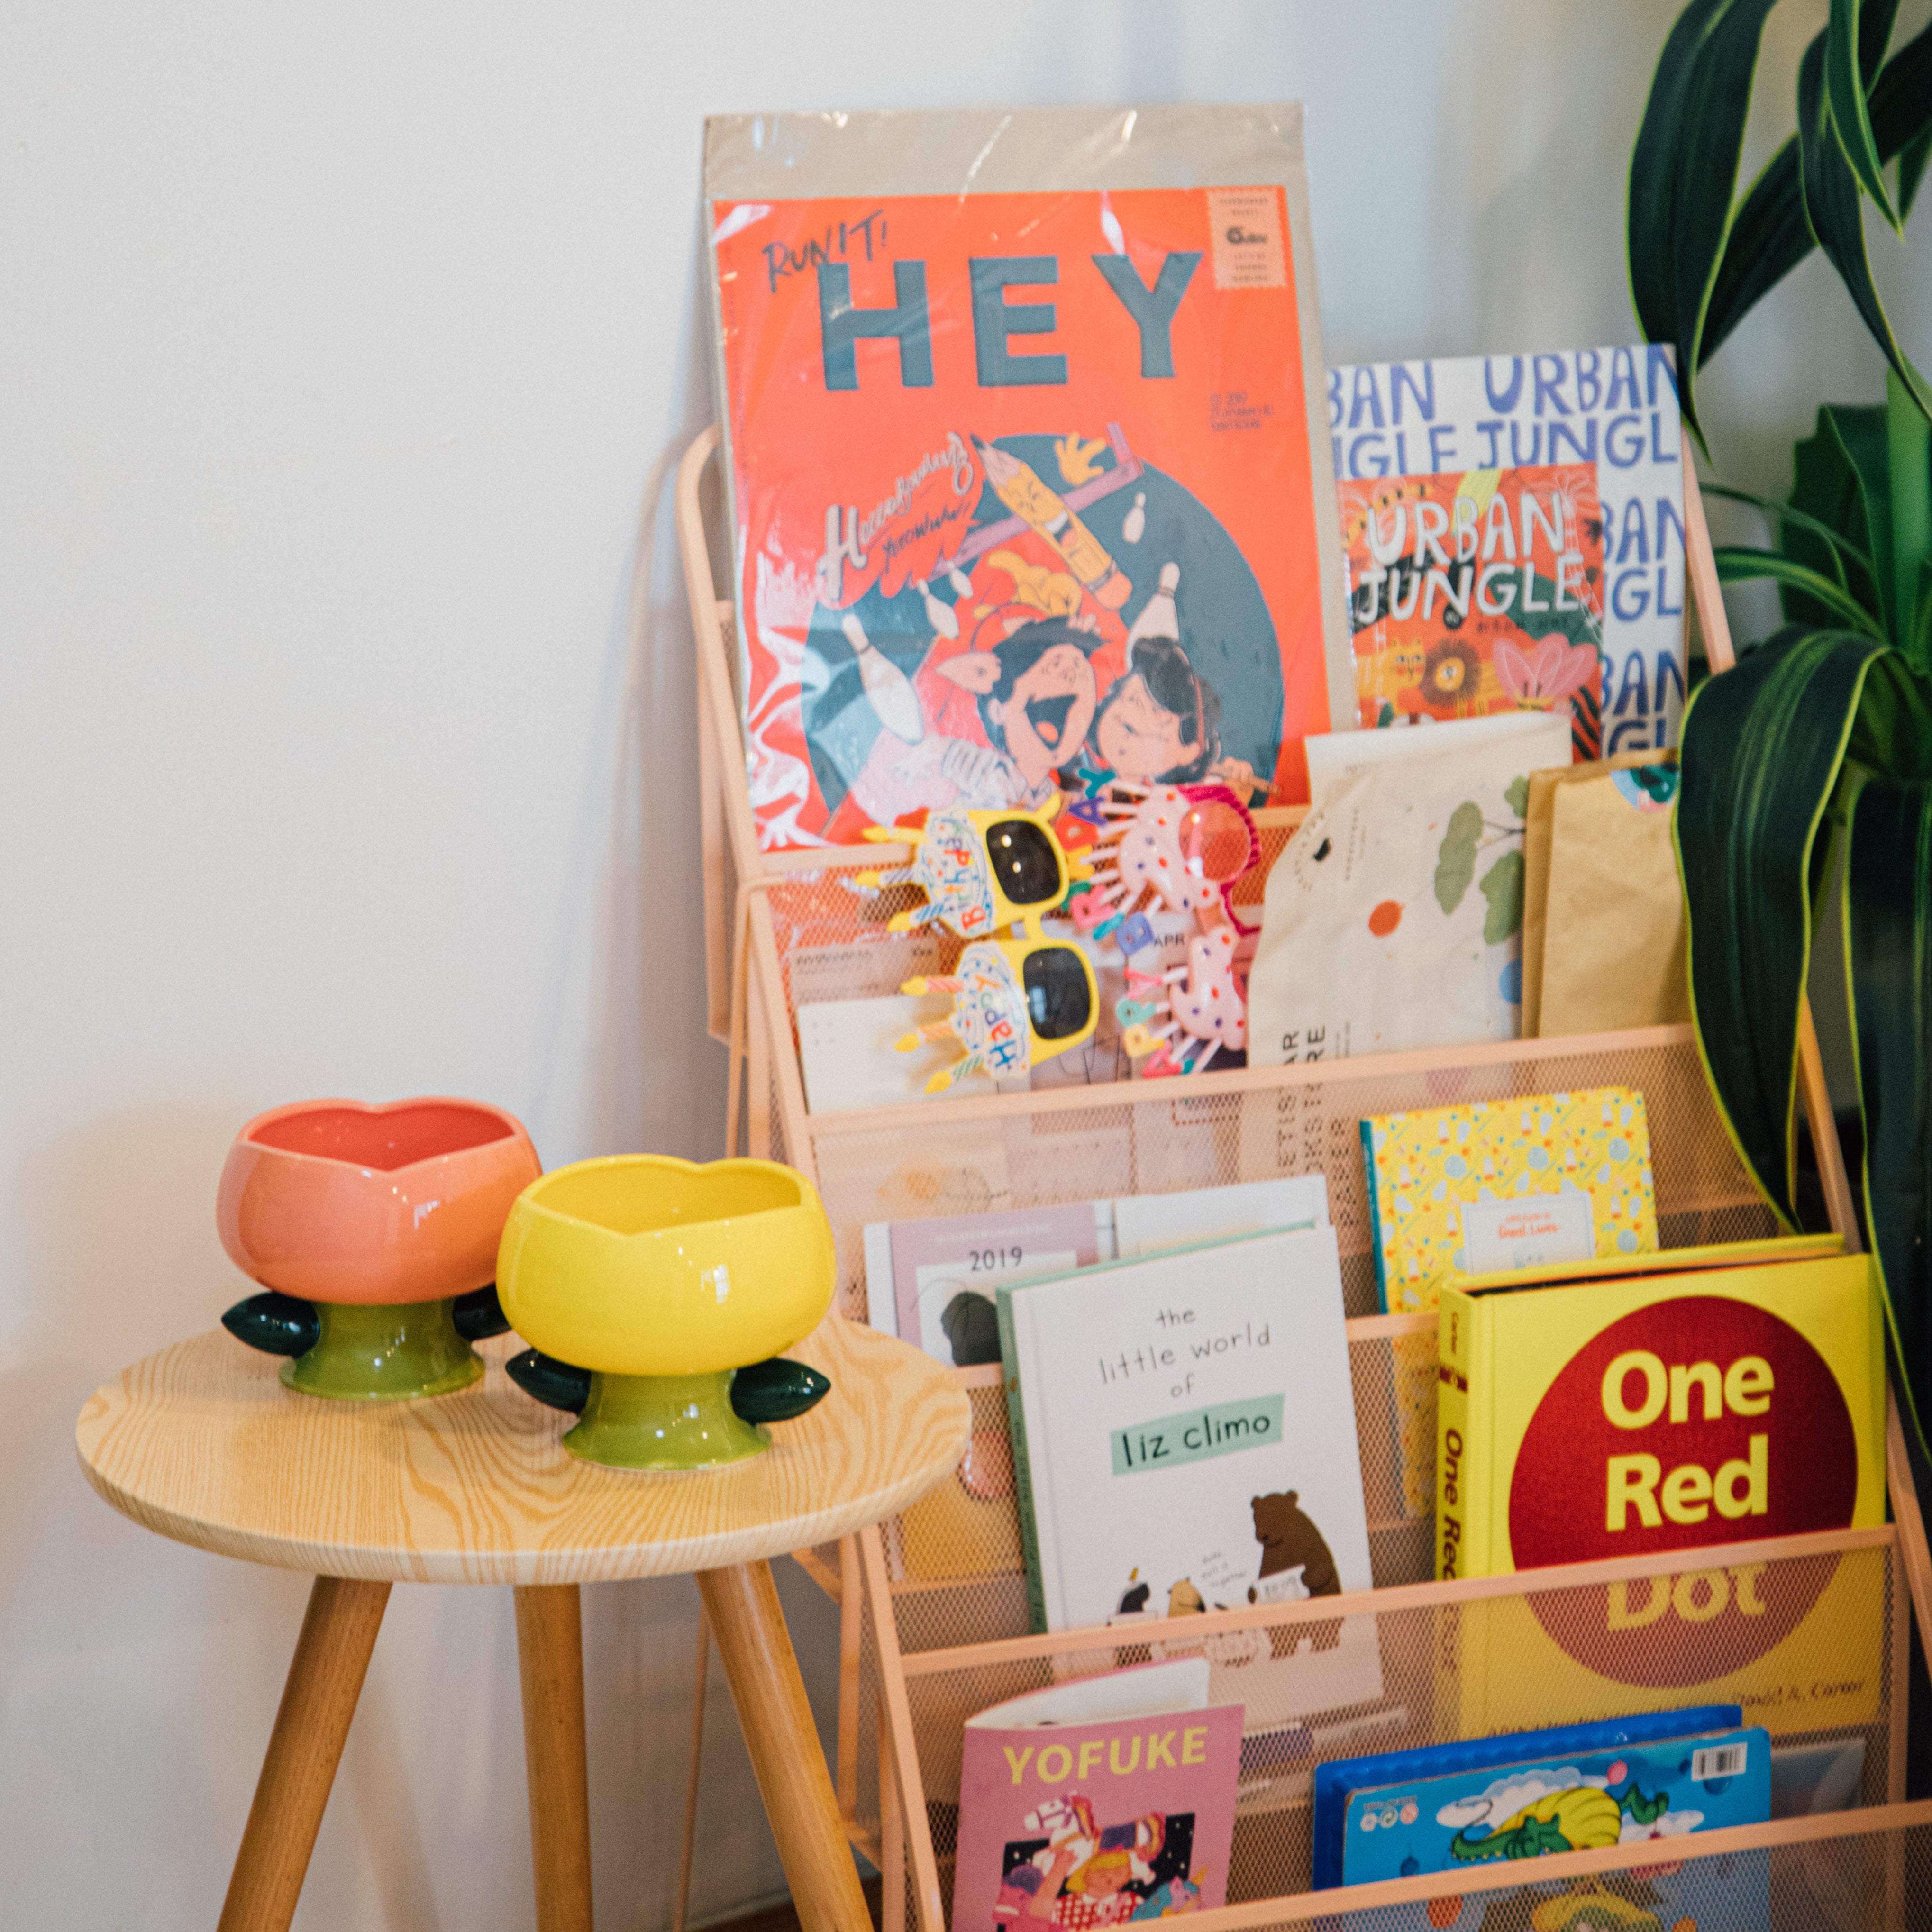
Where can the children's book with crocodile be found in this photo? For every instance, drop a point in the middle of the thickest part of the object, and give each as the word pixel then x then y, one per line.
pixel 1574 1800
pixel 1021 477
pixel 1497 1184
pixel 1728 1892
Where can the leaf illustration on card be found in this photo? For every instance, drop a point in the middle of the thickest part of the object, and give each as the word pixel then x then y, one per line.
pixel 1502 886
pixel 1516 797
pixel 1456 856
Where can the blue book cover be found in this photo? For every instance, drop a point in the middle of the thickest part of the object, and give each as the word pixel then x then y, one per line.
pixel 1336 1781
pixel 1566 1802
pixel 1730 1893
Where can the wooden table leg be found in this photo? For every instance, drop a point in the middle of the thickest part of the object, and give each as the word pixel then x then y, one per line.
pixel 755 1648
pixel 550 1648
pixel 331 1660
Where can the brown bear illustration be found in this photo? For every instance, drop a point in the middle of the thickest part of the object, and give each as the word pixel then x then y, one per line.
pixel 1288 1536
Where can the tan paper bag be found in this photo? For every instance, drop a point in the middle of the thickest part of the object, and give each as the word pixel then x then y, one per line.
pixel 1603 912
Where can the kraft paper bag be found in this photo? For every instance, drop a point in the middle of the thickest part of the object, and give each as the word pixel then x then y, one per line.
pixel 1394 918
pixel 1603 911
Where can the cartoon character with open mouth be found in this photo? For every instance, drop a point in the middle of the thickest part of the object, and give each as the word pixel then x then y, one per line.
pixel 1028 691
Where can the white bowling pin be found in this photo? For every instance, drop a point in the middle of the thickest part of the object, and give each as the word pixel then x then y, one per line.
pixel 888 687
pixel 1158 618
pixel 938 615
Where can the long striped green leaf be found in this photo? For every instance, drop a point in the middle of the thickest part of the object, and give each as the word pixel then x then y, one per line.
pixel 1768 238
pixel 1832 206
pixel 1839 547
pixel 1901 113
pixel 1769 235
pixel 1738 563
pixel 1891 732
pixel 1762 745
pixel 1847 75
pixel 1888 916
pixel 1842 477
pixel 1908 457
pixel 1912 161
pixel 1683 173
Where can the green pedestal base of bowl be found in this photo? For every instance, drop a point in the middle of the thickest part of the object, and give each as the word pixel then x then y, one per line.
pixel 663 1422
pixel 375 1351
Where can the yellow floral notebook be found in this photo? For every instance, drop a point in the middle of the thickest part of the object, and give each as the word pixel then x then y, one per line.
pixel 1499 1184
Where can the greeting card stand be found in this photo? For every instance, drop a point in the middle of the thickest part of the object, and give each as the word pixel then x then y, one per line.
pixel 932 1604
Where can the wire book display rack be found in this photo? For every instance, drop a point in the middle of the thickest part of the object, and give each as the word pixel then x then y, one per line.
pixel 932 1604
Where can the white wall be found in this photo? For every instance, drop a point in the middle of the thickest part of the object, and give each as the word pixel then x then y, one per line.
pixel 344 354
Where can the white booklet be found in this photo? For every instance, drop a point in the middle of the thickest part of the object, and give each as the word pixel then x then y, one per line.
pixel 1394 918
pixel 1184 1440
pixel 931 1282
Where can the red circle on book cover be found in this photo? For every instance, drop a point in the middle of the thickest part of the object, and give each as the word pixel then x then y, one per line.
pixel 1698 1421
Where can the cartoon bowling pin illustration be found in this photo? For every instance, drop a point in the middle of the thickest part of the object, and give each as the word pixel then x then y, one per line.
pixel 1159 619
pixel 888 687
pixel 940 616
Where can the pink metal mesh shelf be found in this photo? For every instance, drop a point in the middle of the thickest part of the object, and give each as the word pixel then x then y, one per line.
pixel 1809 1633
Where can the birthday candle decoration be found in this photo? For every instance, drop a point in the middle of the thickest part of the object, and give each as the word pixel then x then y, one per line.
pixel 1200 1001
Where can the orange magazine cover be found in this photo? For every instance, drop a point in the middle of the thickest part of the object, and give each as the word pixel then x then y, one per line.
pixel 1022 483
pixel 1478 592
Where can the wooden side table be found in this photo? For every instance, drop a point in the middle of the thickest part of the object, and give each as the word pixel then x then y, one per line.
pixel 202 1443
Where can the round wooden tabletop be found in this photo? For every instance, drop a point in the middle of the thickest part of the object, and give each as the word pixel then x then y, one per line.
pixel 202 1443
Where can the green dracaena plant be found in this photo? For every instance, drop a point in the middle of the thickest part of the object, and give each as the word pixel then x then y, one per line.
pixel 1818 745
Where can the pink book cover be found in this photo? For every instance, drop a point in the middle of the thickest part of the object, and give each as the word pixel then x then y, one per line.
pixel 1068 1826
pixel 946 1271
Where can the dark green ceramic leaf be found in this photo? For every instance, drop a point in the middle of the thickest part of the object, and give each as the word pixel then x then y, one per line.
pixel 1888 909
pixel 777 1391
pixel 1739 564
pixel 479 1314
pixel 557 1385
pixel 1845 77
pixel 277 1323
pixel 1761 748
pixel 1832 206
pixel 1683 171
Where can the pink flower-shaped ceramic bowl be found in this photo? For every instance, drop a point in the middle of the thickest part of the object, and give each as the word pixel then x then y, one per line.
pixel 336 1201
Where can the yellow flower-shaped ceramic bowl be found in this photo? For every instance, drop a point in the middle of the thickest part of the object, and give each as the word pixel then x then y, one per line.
pixel 662 1277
